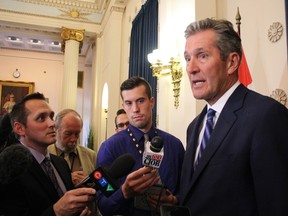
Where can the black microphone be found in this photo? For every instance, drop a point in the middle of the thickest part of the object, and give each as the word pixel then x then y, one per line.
pixel 105 179
pixel 14 161
pixel 153 155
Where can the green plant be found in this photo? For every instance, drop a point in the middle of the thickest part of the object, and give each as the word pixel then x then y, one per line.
pixel 90 140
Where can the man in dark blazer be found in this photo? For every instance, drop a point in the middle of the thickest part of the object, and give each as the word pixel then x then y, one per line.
pixel 243 170
pixel 31 192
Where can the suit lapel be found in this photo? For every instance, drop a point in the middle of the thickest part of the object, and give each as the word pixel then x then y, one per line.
pixel 225 121
pixel 40 176
pixel 63 170
pixel 192 140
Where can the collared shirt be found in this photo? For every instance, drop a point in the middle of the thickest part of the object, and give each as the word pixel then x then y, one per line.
pixel 72 159
pixel 218 106
pixel 39 158
pixel 121 143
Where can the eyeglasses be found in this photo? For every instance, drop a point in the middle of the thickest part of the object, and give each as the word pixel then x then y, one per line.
pixel 121 125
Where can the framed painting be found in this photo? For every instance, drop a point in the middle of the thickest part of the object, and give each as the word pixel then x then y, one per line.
pixel 12 92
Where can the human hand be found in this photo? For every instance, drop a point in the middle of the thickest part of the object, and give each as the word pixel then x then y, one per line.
pixel 139 181
pixel 165 199
pixel 86 212
pixel 74 202
pixel 77 177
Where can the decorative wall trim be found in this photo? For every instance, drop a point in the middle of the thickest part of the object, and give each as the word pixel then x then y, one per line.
pixel 97 6
pixel 275 32
pixel 280 96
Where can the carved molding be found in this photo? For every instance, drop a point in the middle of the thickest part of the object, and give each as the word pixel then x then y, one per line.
pixel 97 6
pixel 280 96
pixel 72 34
pixel 275 32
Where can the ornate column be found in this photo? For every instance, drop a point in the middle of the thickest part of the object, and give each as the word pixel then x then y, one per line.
pixel 71 46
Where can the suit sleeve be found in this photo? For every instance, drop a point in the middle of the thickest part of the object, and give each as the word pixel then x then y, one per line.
pixel 269 162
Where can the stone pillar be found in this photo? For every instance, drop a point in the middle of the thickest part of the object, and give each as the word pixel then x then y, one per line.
pixel 71 46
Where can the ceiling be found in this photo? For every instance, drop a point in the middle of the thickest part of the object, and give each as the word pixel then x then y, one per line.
pixel 35 25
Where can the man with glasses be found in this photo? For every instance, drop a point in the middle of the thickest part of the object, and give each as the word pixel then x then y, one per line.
pixel 121 120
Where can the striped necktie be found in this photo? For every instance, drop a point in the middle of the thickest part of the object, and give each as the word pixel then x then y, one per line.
pixel 206 135
pixel 50 173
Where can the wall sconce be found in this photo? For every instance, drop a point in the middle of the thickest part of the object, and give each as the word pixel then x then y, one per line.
pixel 163 66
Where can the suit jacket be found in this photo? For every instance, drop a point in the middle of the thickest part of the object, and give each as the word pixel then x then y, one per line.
pixel 244 168
pixel 86 156
pixel 32 192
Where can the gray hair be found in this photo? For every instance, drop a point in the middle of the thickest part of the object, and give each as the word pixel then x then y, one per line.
pixel 63 113
pixel 227 39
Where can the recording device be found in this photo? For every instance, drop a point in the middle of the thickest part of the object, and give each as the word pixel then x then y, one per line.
pixel 105 179
pixel 153 153
pixel 174 211
pixel 14 161
pixel 152 157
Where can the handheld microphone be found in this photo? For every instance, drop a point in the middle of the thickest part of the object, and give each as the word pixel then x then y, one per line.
pixel 106 179
pixel 14 161
pixel 152 157
pixel 153 153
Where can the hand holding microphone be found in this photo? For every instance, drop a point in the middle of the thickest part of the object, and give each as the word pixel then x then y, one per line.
pixel 106 179
pixel 153 153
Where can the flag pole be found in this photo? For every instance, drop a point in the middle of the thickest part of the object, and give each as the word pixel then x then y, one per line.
pixel 238 21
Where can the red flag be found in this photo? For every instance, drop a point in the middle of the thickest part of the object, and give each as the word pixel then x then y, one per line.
pixel 244 75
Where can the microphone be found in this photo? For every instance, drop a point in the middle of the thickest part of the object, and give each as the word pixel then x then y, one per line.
pixel 152 157
pixel 153 153
pixel 106 179
pixel 14 161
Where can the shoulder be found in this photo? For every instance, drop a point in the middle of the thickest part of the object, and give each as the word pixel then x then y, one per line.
pixel 52 149
pixel 113 147
pixel 56 159
pixel 86 149
pixel 169 137
pixel 263 103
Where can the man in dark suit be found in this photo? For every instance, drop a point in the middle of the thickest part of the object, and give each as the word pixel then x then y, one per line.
pixel 242 169
pixel 32 192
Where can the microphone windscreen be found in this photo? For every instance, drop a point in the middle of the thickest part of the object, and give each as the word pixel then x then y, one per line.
pixel 14 160
pixel 121 166
pixel 156 144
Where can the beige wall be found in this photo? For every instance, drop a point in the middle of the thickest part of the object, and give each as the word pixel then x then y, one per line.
pixel 267 61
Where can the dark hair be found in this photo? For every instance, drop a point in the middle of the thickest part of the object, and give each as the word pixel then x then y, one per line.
pixel 134 82
pixel 227 39
pixel 119 112
pixel 64 112
pixel 19 112
pixel 7 136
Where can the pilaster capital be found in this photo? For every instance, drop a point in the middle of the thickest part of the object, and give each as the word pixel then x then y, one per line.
pixel 72 34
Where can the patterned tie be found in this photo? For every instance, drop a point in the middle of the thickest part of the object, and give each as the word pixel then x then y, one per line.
pixel 50 173
pixel 146 139
pixel 206 135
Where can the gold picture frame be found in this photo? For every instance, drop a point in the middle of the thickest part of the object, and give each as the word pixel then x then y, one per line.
pixel 10 90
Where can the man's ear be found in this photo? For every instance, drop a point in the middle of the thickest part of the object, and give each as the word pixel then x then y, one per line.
pixel 233 62
pixel 19 128
pixel 152 101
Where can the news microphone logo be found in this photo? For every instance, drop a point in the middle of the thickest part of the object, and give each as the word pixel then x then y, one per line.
pixel 106 179
pixel 153 153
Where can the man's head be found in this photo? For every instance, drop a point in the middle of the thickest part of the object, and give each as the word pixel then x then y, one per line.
pixel 68 128
pixel 138 102
pixel 213 53
pixel 121 120
pixel 32 121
